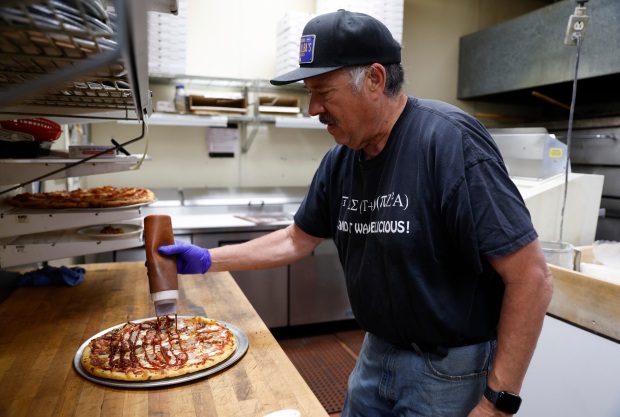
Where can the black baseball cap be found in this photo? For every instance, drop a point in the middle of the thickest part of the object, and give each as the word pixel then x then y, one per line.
pixel 340 39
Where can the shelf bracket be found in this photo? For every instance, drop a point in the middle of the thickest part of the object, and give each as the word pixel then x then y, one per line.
pixel 248 137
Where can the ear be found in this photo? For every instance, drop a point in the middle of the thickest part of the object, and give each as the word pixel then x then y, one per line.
pixel 376 78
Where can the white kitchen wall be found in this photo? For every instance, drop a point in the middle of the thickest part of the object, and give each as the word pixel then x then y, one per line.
pixel 236 38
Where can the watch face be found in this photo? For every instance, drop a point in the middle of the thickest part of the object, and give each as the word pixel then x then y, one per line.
pixel 508 402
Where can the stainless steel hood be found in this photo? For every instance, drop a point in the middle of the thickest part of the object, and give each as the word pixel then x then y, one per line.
pixel 507 62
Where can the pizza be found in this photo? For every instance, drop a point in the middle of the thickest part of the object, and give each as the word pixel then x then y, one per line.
pixel 112 230
pixel 158 348
pixel 98 197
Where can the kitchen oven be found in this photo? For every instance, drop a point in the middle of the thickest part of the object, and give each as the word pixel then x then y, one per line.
pixel 596 150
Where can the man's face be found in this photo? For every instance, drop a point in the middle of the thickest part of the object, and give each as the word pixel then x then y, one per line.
pixel 344 111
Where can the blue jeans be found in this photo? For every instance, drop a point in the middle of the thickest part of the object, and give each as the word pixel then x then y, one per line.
pixel 389 382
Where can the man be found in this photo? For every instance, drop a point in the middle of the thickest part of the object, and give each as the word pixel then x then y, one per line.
pixel 443 266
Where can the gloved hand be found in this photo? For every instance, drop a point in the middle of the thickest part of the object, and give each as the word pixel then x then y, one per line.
pixel 191 259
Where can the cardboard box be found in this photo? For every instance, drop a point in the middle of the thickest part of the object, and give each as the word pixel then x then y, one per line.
pixel 84 151
pixel 208 105
pixel 273 104
pixel 165 106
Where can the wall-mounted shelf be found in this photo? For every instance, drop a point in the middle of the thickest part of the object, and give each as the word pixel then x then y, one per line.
pixel 255 115
pixel 223 83
pixel 171 119
pixel 299 122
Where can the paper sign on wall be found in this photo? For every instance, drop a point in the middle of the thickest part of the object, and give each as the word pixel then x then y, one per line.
pixel 222 142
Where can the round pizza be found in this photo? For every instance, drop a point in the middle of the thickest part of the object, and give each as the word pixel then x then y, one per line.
pixel 158 348
pixel 98 197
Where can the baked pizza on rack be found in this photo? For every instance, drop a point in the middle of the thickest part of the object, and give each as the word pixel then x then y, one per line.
pixel 98 197
pixel 158 348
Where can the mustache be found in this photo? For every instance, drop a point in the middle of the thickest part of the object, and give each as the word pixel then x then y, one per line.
pixel 327 119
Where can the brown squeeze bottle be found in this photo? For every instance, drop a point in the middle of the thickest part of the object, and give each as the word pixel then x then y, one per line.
pixel 161 269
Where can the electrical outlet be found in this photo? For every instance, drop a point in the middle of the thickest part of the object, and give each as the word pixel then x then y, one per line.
pixel 577 25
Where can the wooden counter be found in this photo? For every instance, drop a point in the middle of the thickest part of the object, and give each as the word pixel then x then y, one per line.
pixel 42 328
pixel 589 302
pixel 586 301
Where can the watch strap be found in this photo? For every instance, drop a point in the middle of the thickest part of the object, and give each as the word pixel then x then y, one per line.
pixel 503 400
pixel 490 395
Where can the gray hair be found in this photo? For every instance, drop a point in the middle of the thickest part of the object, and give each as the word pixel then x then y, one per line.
pixel 394 82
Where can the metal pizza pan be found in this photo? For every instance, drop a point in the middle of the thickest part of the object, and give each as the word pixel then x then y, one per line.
pixel 82 209
pixel 126 230
pixel 92 209
pixel 242 347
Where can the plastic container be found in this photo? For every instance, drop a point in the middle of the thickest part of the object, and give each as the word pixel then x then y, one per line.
pixel 180 99
pixel 559 254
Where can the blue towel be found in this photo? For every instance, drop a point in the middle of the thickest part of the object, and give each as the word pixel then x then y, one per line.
pixel 50 275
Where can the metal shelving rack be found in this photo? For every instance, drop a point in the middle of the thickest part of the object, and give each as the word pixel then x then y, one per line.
pixel 70 61
pixel 248 123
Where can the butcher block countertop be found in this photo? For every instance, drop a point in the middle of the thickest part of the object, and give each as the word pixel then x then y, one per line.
pixel 586 301
pixel 43 327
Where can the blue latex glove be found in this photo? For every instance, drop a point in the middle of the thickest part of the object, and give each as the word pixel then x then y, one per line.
pixel 191 259
pixel 50 275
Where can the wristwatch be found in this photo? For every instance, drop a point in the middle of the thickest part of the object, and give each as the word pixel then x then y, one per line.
pixel 505 401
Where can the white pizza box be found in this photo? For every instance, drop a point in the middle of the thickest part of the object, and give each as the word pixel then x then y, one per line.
pixel 166 106
pixel 84 151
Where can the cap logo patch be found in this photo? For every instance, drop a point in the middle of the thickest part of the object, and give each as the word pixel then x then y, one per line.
pixel 306 49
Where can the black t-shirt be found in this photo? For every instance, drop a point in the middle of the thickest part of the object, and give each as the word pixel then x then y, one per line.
pixel 415 225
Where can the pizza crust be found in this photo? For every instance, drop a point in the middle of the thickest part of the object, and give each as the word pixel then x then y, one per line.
pixel 98 197
pixel 202 343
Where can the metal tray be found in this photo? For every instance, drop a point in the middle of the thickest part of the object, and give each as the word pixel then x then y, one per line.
pixel 82 209
pixel 94 232
pixel 242 347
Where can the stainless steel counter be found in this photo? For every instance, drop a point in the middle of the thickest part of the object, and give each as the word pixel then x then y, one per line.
pixel 197 210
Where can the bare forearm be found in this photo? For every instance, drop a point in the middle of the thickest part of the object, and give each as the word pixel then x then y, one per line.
pixel 523 311
pixel 528 290
pixel 278 248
